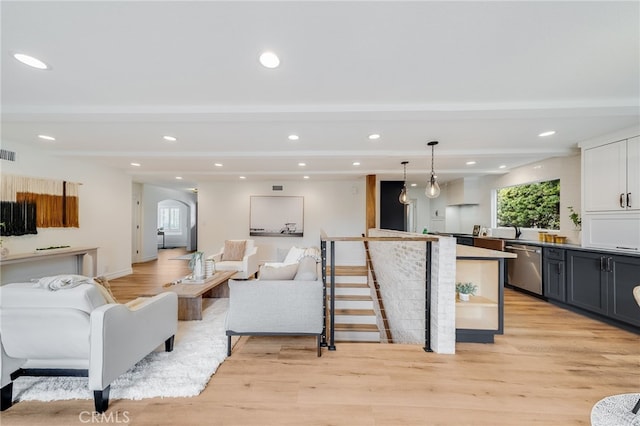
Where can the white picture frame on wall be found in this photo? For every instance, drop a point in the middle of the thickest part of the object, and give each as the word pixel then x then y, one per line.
pixel 276 216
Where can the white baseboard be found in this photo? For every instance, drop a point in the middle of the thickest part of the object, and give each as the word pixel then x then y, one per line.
pixel 118 274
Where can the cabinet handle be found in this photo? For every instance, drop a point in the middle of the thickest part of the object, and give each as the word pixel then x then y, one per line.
pixel 628 199
pixel 609 264
pixel 602 263
pixel 622 200
pixel 558 265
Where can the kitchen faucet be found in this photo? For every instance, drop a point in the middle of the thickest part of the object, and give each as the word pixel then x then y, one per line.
pixel 518 233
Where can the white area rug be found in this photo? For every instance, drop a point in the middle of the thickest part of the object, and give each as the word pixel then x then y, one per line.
pixel 199 348
pixel 615 410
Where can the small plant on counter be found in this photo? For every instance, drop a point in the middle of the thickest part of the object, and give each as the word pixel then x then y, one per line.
pixel 575 218
pixel 466 288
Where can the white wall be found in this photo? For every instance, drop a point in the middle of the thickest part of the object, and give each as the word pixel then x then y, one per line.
pixel 104 211
pixel 151 196
pixel 337 207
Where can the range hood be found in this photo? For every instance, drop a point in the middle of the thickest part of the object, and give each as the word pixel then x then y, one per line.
pixel 463 192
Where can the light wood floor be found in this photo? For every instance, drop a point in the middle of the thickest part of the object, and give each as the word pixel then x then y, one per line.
pixel 549 368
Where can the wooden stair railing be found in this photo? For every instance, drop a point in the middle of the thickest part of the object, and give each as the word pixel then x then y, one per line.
pixel 376 286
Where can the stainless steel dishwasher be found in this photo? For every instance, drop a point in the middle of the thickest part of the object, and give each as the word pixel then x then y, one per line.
pixel 525 271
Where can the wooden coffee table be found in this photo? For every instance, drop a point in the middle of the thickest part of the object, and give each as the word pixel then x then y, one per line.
pixel 190 295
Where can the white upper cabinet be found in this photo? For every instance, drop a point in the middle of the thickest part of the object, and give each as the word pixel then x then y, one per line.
pixel 633 173
pixel 612 176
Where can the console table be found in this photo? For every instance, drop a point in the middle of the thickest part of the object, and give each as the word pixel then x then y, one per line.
pixel 22 267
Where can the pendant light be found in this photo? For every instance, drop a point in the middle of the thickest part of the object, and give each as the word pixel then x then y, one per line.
pixel 433 189
pixel 404 197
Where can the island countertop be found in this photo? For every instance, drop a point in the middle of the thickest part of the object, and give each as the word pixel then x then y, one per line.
pixel 463 251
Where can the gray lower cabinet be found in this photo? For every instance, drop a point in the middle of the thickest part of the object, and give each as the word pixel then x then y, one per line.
pixel 602 283
pixel 554 274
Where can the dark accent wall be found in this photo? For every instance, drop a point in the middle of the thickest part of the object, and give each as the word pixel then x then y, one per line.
pixel 392 211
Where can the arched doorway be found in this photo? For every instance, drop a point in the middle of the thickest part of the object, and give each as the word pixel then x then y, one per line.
pixel 174 224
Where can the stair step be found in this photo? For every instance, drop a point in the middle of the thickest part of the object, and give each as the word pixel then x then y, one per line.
pixel 356 319
pixel 348 270
pixel 356 327
pixel 353 298
pixel 359 312
pixel 352 285
pixel 353 304
pixel 352 279
pixel 351 291
pixel 357 336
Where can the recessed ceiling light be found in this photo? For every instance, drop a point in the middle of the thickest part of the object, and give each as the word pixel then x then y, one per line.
pixel 502 166
pixel 549 133
pixel 179 177
pixel 537 167
pixel 169 138
pixel 374 136
pixel 414 184
pixel 305 177
pixel 269 60
pixel 302 164
pixel 31 61
pixel 47 138
pixel 294 137
pixel 243 177
pixel 470 163
pixel 217 164
pixel 135 164
pixel 356 163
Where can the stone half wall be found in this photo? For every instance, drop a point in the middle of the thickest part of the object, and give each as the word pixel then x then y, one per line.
pixel 400 268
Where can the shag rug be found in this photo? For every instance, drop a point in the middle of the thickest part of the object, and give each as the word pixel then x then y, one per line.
pixel 199 348
pixel 615 410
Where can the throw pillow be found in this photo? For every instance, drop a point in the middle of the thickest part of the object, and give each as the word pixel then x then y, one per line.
pixel 307 270
pixel 234 250
pixel 269 273
pixel 294 255
pixel 105 288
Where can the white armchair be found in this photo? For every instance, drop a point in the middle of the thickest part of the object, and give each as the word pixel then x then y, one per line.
pixel 246 264
pixel 74 331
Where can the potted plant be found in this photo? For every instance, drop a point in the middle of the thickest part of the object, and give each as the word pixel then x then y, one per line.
pixel 575 218
pixel 465 290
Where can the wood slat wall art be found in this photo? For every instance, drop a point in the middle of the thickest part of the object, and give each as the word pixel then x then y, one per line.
pixel 56 203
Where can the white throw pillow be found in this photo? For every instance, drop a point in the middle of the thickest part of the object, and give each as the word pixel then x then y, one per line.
pixel 287 272
pixel 294 255
pixel 307 269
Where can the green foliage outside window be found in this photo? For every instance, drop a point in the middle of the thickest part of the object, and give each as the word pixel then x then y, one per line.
pixel 534 205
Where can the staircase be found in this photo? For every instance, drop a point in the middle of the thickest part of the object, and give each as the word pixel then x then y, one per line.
pixel 355 319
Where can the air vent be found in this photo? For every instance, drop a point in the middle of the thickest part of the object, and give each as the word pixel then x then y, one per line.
pixel 276 187
pixel 7 155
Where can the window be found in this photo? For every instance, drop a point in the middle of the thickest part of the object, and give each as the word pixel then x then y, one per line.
pixel 533 205
pixel 169 219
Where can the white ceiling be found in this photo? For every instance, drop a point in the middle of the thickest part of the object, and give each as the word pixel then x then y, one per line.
pixel 483 78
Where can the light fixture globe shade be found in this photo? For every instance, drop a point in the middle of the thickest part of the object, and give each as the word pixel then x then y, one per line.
pixel 404 197
pixel 433 189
